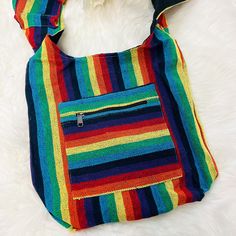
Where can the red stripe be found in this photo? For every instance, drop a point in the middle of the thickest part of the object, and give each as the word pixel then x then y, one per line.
pixel 81 213
pixel 60 76
pixel 90 133
pixel 136 204
pixel 57 99
pixel 18 10
pixel 126 176
pixel 147 42
pixel 129 211
pixel 105 74
pixel 99 78
pixel 142 65
pixel 182 197
pixel 30 32
pixel 149 63
pixel 162 20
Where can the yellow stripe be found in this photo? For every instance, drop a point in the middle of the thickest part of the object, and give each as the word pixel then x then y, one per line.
pixel 183 74
pixel 120 206
pixel 136 66
pixel 108 106
pixel 173 195
pixel 117 141
pixel 28 6
pixel 93 76
pixel 56 139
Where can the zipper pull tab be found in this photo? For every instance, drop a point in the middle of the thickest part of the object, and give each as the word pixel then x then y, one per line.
pixel 80 122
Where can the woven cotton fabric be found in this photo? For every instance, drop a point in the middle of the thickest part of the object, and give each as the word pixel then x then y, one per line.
pixel 141 150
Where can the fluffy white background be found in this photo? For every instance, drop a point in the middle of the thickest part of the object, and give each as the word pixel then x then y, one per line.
pixel 206 33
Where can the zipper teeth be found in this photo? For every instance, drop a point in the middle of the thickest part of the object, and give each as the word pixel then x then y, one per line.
pixel 70 113
pixel 106 109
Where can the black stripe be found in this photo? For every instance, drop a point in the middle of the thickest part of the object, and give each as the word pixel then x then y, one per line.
pixel 49 7
pixel 44 21
pixel 118 73
pixel 35 167
pixel 74 81
pixel 159 155
pixel 173 113
pixel 97 214
pixel 151 202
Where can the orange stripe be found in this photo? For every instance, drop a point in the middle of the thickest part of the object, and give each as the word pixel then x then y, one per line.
pixel 58 99
pixel 128 205
pixel 99 77
pixel 116 134
pixel 181 194
pixel 142 65
pixel 181 54
pixel 162 21
pixel 123 185
pixel 19 9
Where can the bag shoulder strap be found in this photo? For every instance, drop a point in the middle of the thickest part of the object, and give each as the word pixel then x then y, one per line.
pixel 160 7
pixel 39 18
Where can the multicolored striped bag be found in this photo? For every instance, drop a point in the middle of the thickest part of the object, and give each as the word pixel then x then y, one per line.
pixel 113 136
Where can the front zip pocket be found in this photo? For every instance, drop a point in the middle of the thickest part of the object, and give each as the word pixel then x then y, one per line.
pixel 117 141
pixel 103 112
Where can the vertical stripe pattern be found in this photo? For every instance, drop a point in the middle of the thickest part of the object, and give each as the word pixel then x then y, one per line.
pixel 141 150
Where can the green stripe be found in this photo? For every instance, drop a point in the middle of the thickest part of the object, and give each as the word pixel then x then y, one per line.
pixel 14 4
pixel 165 196
pixel 36 7
pixel 108 208
pixel 112 207
pixel 86 77
pixel 132 77
pixel 123 97
pixel 164 142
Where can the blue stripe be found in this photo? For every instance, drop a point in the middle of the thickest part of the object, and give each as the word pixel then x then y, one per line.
pixel 104 208
pixel 144 203
pixel 185 111
pixel 124 70
pixel 88 203
pixel 157 197
pixel 113 73
pixel 176 123
pixel 77 177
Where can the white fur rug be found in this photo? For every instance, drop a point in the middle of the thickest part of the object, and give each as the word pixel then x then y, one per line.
pixel 206 33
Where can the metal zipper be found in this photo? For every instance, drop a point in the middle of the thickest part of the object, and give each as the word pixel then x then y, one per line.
pixel 80 122
pixel 80 115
